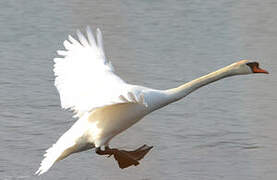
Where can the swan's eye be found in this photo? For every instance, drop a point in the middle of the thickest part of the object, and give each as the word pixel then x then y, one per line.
pixel 253 64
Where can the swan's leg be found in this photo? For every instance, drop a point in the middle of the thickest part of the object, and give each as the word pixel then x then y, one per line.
pixel 123 157
pixel 107 151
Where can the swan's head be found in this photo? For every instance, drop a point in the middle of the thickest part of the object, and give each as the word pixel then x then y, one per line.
pixel 246 67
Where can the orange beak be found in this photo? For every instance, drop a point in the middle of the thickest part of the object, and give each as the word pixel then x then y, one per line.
pixel 256 69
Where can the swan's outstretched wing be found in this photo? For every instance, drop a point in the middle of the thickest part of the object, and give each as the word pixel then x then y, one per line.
pixel 85 78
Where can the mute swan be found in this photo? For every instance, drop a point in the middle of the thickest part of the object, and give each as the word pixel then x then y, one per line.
pixel 105 105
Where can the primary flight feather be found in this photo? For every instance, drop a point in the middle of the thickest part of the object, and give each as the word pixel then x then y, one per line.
pixel 85 78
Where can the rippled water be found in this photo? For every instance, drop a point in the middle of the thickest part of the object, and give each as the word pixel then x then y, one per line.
pixel 227 130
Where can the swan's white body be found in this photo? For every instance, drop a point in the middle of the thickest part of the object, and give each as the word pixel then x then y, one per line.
pixel 103 102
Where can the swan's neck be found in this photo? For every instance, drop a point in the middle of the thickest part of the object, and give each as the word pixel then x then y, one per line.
pixel 185 89
pixel 158 99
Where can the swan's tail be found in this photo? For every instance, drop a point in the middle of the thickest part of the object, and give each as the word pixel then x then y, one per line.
pixel 72 141
pixel 60 150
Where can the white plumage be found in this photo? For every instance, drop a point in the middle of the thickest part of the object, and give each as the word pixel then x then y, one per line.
pixel 85 78
pixel 104 104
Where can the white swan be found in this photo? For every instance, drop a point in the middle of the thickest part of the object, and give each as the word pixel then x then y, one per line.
pixel 105 104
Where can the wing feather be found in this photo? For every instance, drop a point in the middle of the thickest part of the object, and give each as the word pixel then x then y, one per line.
pixel 100 44
pixel 82 38
pixel 90 36
pixel 86 80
